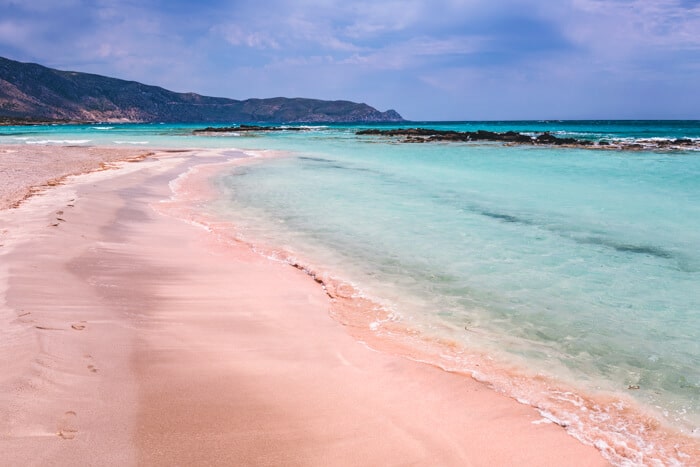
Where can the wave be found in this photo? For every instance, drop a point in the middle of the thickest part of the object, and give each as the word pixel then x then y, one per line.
pixel 59 141
pixel 307 127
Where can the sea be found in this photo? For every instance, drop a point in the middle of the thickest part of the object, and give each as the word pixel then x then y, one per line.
pixel 567 278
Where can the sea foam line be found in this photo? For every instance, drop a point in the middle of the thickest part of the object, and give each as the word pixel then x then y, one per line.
pixel 624 432
pixel 59 141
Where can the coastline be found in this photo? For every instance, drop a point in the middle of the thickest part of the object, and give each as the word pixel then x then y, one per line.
pixel 153 341
pixel 28 170
pixel 618 425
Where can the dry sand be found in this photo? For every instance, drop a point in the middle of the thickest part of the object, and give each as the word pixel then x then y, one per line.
pixel 128 336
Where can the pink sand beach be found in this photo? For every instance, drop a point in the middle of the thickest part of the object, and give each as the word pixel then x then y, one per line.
pixel 130 336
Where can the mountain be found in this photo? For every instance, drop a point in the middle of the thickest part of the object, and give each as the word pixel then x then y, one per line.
pixel 34 92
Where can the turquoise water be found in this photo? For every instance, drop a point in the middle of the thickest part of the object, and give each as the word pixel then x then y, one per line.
pixel 581 264
pixel 180 135
pixel 588 261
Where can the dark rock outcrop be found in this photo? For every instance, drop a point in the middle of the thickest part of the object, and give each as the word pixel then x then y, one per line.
pixel 422 135
pixel 428 135
pixel 34 92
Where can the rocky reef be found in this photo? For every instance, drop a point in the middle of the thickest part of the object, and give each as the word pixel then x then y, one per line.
pixel 428 135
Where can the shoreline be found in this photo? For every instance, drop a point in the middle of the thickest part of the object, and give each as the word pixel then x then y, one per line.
pixel 29 170
pixel 614 422
pixel 100 362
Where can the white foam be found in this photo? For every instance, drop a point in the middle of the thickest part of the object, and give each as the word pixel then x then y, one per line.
pixel 59 141
pixel 553 419
pixel 542 421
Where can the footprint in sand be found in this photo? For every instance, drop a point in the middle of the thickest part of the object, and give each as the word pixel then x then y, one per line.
pixel 67 427
pixel 91 367
pixel 25 317
pixel 78 327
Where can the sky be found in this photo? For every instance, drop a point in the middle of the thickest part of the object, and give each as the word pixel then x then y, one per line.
pixel 427 59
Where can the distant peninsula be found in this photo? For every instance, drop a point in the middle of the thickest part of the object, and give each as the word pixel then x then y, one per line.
pixel 34 93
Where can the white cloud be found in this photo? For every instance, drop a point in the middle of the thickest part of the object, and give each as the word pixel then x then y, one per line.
pixel 237 36
pixel 417 51
pixel 370 19
pixel 455 51
pixel 634 26
pixel 40 5
pixel 302 31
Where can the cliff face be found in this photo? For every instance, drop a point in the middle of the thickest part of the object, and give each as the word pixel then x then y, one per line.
pixel 32 91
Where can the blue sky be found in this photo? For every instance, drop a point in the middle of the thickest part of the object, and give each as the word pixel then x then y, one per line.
pixel 428 59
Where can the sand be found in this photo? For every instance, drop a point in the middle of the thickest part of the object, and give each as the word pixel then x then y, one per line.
pixel 128 336
pixel 26 170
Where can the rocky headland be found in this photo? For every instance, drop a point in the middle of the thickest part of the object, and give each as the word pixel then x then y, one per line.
pixel 34 93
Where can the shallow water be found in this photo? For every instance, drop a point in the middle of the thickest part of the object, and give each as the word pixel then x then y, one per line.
pixel 575 260
pixel 583 265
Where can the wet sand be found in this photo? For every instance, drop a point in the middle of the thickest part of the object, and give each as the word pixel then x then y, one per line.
pixel 29 169
pixel 128 336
